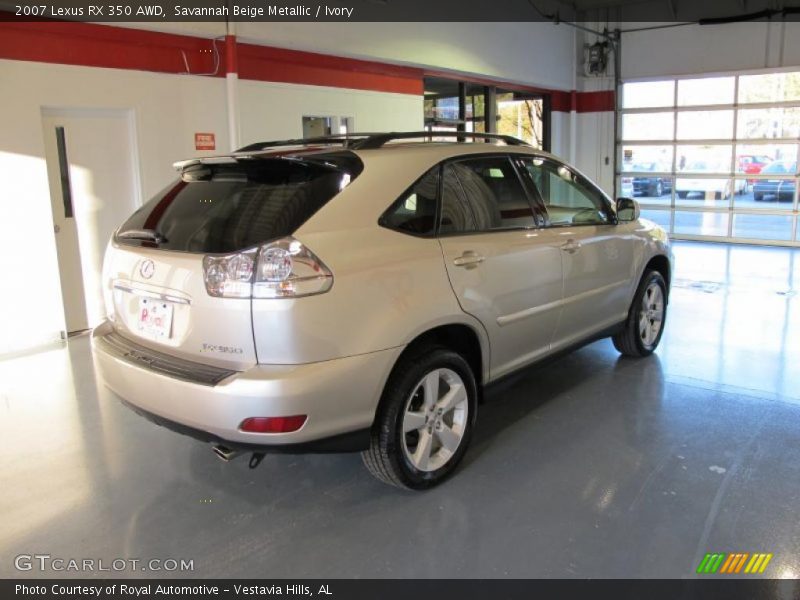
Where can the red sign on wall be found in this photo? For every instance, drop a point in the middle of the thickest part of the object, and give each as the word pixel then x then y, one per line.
pixel 204 141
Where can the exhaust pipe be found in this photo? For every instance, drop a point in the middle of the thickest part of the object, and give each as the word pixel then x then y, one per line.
pixel 223 453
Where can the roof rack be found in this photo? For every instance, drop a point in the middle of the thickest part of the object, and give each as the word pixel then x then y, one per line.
pixel 378 140
pixel 345 140
pixel 371 141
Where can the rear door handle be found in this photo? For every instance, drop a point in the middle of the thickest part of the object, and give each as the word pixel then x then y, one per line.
pixel 468 259
pixel 571 246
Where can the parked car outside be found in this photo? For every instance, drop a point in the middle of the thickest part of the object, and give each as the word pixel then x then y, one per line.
pixel 716 188
pixel 656 185
pixel 776 189
pixel 626 187
pixel 751 164
pixel 357 293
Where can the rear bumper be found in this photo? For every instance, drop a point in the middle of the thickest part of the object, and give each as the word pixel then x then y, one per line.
pixel 338 396
pixel 782 193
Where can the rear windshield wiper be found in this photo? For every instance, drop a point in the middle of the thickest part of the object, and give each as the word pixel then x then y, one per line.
pixel 143 234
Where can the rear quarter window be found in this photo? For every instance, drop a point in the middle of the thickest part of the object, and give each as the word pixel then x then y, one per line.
pixel 415 211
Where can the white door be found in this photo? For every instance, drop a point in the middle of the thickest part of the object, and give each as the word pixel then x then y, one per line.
pixel 94 186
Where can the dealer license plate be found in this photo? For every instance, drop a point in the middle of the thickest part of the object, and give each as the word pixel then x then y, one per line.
pixel 155 318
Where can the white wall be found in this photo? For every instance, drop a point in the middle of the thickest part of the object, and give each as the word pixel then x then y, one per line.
pixel 274 110
pixel 594 148
pixel 709 49
pixel 538 54
pixel 531 53
pixel 168 110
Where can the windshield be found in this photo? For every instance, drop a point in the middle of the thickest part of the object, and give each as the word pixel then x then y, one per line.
pixel 232 206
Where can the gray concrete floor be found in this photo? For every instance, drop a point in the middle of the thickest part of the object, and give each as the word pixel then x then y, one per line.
pixel 590 466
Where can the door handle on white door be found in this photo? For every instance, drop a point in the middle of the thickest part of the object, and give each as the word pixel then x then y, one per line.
pixel 468 259
pixel 571 246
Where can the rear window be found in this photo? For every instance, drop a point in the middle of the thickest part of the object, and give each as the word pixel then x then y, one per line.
pixel 233 206
pixel 780 168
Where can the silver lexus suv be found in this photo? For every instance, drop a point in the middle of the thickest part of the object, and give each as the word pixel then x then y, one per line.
pixel 357 294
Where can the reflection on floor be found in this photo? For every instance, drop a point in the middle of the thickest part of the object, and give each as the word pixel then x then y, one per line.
pixel 589 466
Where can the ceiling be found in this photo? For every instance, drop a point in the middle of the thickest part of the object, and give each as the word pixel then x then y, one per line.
pixel 660 10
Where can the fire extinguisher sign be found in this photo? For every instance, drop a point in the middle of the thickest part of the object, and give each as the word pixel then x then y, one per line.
pixel 204 141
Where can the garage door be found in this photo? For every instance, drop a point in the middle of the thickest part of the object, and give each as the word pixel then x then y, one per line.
pixel 714 158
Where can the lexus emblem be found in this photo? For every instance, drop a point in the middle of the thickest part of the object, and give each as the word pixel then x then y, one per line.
pixel 147 268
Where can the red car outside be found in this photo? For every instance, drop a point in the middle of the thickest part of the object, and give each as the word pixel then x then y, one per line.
pixel 751 164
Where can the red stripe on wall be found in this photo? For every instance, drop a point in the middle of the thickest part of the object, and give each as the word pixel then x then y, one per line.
pixel 91 45
pixel 583 102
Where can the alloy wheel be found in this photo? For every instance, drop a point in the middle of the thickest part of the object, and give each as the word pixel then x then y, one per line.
pixel 435 419
pixel 651 314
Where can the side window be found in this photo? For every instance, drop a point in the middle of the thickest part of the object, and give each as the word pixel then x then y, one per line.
pixel 415 211
pixel 568 198
pixel 492 192
pixel 456 216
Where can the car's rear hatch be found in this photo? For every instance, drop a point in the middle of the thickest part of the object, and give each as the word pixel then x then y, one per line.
pixel 156 293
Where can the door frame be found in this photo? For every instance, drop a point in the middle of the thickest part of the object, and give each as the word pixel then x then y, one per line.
pixel 128 114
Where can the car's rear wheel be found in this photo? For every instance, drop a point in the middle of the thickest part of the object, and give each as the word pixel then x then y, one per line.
pixel 683 194
pixel 424 421
pixel 758 197
pixel 645 323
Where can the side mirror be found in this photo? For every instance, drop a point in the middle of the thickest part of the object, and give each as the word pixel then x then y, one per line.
pixel 627 210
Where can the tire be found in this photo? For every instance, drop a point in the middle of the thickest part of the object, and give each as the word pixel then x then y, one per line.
pixel 683 194
pixel 634 340
pixel 396 457
pixel 758 197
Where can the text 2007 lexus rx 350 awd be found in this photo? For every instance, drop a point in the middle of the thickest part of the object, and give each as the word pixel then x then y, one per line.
pixel 356 294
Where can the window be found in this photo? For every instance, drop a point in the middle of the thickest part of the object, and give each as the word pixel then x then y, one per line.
pixel 229 207
pixel 415 211
pixel 491 194
pixel 456 216
pixel 450 105
pixel 721 144
pixel 568 198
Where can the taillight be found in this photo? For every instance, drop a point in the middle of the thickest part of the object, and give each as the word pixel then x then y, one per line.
pixel 287 269
pixel 230 276
pixel 280 269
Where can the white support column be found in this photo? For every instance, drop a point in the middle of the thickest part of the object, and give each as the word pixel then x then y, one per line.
pixel 573 115
pixel 231 85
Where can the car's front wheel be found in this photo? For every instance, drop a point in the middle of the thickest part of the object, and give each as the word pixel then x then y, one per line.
pixel 424 420
pixel 658 189
pixel 645 323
